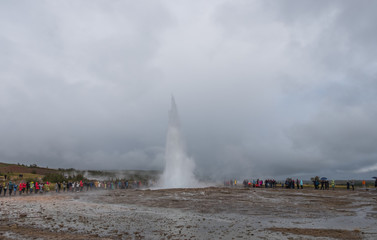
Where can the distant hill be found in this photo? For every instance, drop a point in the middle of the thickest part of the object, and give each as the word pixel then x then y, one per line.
pixel 9 168
pixel 21 172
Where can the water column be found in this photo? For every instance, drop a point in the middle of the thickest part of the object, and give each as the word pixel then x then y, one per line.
pixel 179 167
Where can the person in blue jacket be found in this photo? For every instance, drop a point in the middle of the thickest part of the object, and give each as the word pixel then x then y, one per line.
pixel 15 188
pixel 10 187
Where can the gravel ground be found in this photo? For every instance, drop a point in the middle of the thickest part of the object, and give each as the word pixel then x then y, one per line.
pixel 198 213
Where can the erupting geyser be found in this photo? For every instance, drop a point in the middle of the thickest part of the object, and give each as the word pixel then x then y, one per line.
pixel 179 167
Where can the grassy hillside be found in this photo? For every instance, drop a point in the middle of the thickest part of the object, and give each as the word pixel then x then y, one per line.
pixel 20 171
pixel 8 168
pixel 33 172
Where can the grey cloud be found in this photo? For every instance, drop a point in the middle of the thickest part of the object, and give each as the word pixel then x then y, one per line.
pixel 263 88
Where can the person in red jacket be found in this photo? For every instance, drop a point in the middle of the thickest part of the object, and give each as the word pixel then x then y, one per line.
pixel 36 187
pixel 20 186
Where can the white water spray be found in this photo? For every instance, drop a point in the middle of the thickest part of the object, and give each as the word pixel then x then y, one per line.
pixel 179 167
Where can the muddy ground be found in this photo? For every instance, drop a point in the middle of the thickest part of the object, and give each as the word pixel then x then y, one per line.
pixel 203 213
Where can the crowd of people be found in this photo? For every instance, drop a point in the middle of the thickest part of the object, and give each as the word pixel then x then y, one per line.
pixel 325 184
pixel 352 184
pixel 291 183
pixel 30 187
pixel 267 183
pixel 27 188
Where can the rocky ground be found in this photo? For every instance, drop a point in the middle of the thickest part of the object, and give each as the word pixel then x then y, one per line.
pixel 202 213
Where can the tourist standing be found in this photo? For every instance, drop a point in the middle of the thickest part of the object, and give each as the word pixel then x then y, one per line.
pixel 5 187
pixel 36 187
pixel 10 187
pixel 40 185
pixel 20 187
pixel 322 184
pixel 15 186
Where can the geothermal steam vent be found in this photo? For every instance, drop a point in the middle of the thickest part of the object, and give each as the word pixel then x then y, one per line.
pixel 179 167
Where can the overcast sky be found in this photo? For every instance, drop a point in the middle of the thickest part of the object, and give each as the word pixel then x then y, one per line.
pixel 263 88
